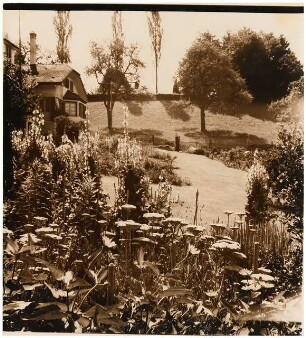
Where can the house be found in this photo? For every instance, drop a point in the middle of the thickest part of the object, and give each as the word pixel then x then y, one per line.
pixel 59 87
pixel 10 50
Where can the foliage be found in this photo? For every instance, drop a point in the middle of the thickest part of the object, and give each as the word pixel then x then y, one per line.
pixel 265 62
pixel 63 30
pixel 156 34
pixel 286 177
pixel 73 263
pixel 257 191
pixel 207 77
pixel 63 125
pixel 115 67
pixel 290 108
pixel 19 101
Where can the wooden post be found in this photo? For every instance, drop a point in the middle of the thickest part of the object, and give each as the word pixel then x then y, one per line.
pixel 256 255
pixel 177 143
pixel 153 141
pixel 111 284
pixel 195 220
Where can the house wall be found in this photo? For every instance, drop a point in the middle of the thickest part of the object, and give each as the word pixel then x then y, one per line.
pixel 50 90
pixel 13 51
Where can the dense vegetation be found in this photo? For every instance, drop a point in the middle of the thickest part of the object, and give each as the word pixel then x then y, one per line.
pixel 75 263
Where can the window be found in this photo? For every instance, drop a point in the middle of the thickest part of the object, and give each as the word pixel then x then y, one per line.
pixel 68 84
pixel 8 52
pixel 70 108
pixel 45 105
pixel 82 109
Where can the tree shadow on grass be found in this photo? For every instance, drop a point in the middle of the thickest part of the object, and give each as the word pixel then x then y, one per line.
pixel 256 110
pixel 145 135
pixel 225 139
pixel 135 108
pixel 176 110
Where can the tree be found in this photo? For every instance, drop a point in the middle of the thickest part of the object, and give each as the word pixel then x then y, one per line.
pixel 63 30
pixel 115 67
pixel 265 62
pixel 156 34
pixel 291 107
pixel 207 77
pixel 19 101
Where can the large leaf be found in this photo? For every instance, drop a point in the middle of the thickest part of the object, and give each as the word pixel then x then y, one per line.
pixel 31 286
pixel 112 321
pixel 17 305
pixel 174 292
pixel 12 246
pixel 54 315
pixel 84 322
pixel 152 266
pixel 59 305
pixel 57 273
pixel 56 293
pixel 78 282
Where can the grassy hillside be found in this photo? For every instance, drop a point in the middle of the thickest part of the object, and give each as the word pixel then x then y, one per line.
pixel 165 119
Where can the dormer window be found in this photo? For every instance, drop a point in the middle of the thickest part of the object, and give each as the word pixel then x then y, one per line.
pixel 68 83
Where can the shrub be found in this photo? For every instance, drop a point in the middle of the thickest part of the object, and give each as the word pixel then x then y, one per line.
pixel 257 191
pixel 63 125
pixel 286 177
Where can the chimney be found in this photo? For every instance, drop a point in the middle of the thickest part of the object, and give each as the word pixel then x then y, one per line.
pixel 33 53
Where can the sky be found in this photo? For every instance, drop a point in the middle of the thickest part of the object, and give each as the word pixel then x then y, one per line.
pixel 180 30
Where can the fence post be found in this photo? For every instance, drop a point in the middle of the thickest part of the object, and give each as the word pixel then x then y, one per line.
pixel 256 255
pixel 153 141
pixel 177 143
pixel 111 284
pixel 195 220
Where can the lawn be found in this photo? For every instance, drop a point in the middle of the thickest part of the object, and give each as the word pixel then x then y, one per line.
pixel 220 188
pixel 165 119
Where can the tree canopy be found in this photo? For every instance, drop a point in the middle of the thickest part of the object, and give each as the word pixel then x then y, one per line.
pixel 207 77
pixel 63 30
pixel 265 62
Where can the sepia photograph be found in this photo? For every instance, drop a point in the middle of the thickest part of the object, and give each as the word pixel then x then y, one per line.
pixel 153 169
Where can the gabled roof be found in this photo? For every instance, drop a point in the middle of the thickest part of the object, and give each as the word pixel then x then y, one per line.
pixel 72 96
pixel 8 42
pixel 52 73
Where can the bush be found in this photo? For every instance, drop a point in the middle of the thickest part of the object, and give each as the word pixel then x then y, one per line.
pixel 257 191
pixel 63 125
pixel 286 177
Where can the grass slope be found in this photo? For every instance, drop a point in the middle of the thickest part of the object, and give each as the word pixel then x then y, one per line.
pixel 165 119
pixel 220 188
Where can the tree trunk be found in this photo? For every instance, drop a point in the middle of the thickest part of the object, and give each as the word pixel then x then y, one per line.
pixel 110 120
pixel 203 125
pixel 156 77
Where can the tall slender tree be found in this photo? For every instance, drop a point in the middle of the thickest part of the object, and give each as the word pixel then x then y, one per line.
pixel 156 34
pixel 63 30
